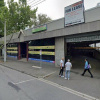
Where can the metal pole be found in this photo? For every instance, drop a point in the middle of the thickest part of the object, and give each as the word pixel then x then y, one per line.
pixel 5 41
pixel 40 58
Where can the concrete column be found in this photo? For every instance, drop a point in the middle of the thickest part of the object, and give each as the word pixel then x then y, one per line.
pixel 60 50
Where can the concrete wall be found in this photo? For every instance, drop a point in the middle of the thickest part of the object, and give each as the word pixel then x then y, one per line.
pixel 92 14
pixel 56 28
pixel 76 29
pixel 28 32
pixel 59 50
pixel 56 24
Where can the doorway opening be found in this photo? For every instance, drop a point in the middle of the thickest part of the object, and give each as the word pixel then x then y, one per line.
pixel 23 50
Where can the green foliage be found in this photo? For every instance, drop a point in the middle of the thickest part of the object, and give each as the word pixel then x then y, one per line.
pixel 4 14
pixel 1 16
pixel 23 1
pixel 42 19
pixel 18 16
pixel 1 3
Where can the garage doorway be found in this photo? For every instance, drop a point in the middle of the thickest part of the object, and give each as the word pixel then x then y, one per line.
pixel 23 47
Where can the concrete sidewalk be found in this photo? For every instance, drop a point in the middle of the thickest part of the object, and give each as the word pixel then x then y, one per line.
pixel 87 85
pixel 30 68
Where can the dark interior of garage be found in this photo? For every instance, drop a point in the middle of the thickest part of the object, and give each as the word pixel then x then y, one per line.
pixel 77 52
pixel 23 50
pixel 80 49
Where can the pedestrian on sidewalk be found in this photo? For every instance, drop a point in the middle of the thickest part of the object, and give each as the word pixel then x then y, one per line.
pixel 87 68
pixel 61 67
pixel 68 66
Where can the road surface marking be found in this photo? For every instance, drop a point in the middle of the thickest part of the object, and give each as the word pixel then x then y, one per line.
pixel 36 67
pixel 48 74
pixel 69 90
pixel 22 81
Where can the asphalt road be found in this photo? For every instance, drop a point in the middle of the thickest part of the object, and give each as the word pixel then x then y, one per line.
pixel 15 85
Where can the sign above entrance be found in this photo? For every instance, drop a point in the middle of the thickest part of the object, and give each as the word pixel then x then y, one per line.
pixel 39 28
pixel 85 38
pixel 74 14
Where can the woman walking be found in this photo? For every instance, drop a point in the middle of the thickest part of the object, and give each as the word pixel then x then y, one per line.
pixel 87 68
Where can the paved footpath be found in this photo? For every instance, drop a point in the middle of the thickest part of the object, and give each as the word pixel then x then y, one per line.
pixel 31 68
pixel 85 85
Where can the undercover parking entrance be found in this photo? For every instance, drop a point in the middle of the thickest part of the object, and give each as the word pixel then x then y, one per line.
pixel 81 47
pixel 85 44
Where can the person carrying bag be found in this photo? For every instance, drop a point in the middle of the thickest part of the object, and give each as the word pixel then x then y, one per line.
pixel 87 68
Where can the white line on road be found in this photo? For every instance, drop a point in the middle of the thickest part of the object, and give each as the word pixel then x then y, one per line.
pixel 22 81
pixel 32 79
pixel 87 97
pixel 36 67
pixel 48 74
pixel 69 90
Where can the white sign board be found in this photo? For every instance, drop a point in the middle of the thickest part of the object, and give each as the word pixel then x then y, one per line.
pixel 74 14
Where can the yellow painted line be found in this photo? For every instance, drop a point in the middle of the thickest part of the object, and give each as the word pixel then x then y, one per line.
pixel 15 48
pixel 41 47
pixel 43 52
pixel 87 47
pixel 12 51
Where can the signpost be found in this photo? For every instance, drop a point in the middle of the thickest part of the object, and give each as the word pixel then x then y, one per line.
pixel 40 57
pixel 5 41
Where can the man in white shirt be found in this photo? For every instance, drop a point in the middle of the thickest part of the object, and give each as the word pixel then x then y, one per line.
pixel 68 66
pixel 61 67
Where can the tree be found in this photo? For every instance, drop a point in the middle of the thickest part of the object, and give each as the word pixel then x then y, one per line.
pixel 42 19
pixel 1 3
pixel 1 23
pixel 3 16
pixel 23 2
pixel 18 16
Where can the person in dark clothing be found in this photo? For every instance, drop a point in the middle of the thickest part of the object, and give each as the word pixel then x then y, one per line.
pixel 87 68
pixel 61 67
